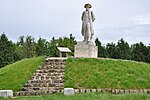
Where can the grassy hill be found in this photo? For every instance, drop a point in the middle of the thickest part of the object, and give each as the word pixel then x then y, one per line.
pixel 106 73
pixel 14 76
pixel 82 73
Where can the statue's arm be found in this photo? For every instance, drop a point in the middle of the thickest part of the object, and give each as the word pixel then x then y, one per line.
pixel 93 17
pixel 82 16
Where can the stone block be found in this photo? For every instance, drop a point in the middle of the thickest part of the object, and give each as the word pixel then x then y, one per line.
pixel 127 91
pixel 82 90
pixel 76 90
pixel 148 91
pixel 103 90
pixel 93 90
pixel 6 93
pixel 109 90
pixel 113 91
pixel 121 91
pixel 145 91
pixel 88 90
pixel 86 50
pixel 69 91
pixel 99 90
pixel 117 91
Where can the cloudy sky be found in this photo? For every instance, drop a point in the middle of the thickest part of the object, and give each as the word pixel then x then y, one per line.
pixel 115 19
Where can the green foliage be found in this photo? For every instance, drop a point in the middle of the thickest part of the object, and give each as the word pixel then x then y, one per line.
pixel 122 49
pixel 14 76
pixel 140 52
pixel 6 51
pixel 102 73
pixel 63 42
pixel 111 50
pixel 101 49
pixel 88 96
pixel 41 47
pixel 25 47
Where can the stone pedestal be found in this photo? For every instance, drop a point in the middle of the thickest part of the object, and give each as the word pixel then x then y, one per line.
pixel 86 50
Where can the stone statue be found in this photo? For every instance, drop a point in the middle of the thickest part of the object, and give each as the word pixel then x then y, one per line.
pixel 87 23
pixel 87 48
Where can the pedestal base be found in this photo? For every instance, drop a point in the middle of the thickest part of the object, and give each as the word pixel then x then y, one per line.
pixel 86 50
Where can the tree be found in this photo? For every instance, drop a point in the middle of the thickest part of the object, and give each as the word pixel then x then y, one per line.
pixel 111 50
pixel 30 47
pixel 20 49
pixel 41 47
pixel 25 47
pixel 62 42
pixel 101 49
pixel 6 51
pixel 52 47
pixel 122 49
pixel 139 52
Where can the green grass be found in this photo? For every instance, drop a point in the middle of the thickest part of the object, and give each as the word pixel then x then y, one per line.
pixel 87 96
pixel 14 76
pixel 106 73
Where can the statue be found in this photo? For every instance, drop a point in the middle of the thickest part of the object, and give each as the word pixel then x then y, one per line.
pixel 87 47
pixel 87 23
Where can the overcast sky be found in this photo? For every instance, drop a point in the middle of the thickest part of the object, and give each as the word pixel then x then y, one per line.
pixel 115 19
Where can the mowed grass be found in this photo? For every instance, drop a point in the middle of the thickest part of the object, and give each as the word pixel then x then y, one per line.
pixel 14 76
pixel 86 96
pixel 106 73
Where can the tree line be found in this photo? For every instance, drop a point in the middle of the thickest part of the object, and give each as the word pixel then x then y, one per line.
pixel 27 47
pixel 122 50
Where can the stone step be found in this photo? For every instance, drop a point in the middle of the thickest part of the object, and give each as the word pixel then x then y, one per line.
pixel 52 67
pixel 41 88
pixel 58 70
pixel 52 76
pixel 47 79
pixel 44 84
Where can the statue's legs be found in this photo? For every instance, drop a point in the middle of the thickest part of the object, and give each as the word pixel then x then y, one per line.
pixel 88 32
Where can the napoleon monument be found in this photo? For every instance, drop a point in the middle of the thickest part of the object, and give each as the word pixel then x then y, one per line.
pixel 87 48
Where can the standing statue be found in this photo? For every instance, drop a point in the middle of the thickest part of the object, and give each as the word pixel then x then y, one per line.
pixel 87 23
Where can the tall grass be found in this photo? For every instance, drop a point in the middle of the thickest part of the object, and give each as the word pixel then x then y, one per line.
pixel 104 73
pixel 14 76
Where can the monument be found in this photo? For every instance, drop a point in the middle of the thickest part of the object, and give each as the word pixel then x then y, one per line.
pixel 87 48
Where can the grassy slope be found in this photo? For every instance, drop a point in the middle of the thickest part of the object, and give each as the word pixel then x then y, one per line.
pixel 87 96
pixel 94 73
pixel 14 76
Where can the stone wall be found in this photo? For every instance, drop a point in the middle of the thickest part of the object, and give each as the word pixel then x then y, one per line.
pixel 113 91
pixel 49 78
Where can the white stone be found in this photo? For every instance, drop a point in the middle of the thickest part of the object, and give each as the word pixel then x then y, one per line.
pixel 6 93
pixel 86 50
pixel 69 91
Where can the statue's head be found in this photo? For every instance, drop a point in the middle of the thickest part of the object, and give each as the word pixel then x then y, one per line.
pixel 87 5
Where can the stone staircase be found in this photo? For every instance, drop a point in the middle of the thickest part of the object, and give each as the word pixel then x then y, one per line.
pixel 47 79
